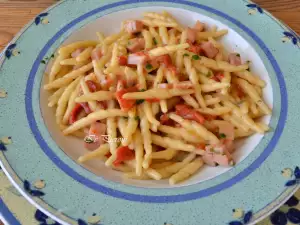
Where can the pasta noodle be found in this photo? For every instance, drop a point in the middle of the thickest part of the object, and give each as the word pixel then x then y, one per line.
pixel 156 100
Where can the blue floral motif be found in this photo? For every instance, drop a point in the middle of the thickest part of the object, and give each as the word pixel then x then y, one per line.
pixel 44 219
pixel 289 36
pixel 255 7
pixel 40 18
pixel 235 223
pixel 246 219
pixel 92 220
pixel 296 180
pixel 293 215
pixel 278 218
pixel 81 222
pixel 293 201
pixel 2 146
pixel 5 141
pixel 32 192
pixel 10 50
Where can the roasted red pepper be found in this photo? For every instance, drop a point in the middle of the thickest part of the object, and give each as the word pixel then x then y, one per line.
pixel 126 104
pixel 190 114
pixel 123 154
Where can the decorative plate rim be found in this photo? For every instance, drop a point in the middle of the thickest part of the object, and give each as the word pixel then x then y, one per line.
pixel 157 198
pixel 2 58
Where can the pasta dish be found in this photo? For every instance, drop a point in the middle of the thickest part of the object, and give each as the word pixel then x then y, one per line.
pixel 156 100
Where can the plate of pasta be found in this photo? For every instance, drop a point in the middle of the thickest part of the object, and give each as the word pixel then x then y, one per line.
pixel 133 108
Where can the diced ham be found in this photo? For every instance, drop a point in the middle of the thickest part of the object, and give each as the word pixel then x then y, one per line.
pixel 208 158
pixel 209 49
pixel 91 146
pixel 219 153
pixel 212 159
pixel 199 26
pixel 94 138
pixel 77 52
pixel 191 35
pixel 226 129
pixel 188 113
pixel 222 160
pixel 234 59
pixel 136 45
pixel 96 54
pixel 229 147
pixel 133 26
pixel 136 58
pixel 86 107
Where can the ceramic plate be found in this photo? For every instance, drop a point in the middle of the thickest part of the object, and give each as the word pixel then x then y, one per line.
pixel 40 162
pixel 16 210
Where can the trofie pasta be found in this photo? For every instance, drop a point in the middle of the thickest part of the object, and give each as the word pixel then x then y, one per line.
pixel 156 100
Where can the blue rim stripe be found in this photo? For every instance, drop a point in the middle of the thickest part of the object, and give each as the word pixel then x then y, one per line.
pixel 8 216
pixel 144 198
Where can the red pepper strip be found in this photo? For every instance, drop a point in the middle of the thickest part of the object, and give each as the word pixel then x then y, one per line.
pixel 123 154
pixel 167 61
pixel 201 146
pixel 126 104
pixel 190 114
pixel 76 110
pixel 195 49
pixel 165 120
pixel 218 77
pixel 210 117
pixel 123 60
pixel 151 100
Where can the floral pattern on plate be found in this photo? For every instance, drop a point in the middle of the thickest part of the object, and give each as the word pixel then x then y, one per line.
pixel 42 19
pixel 11 50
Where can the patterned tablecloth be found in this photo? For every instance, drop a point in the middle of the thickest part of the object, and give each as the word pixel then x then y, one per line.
pixel 27 214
